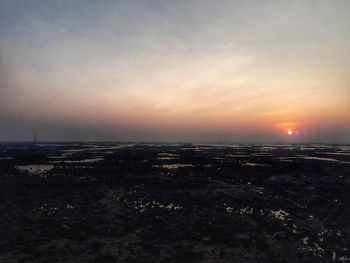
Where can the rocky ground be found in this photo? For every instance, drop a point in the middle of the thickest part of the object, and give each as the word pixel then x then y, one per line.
pixel 112 202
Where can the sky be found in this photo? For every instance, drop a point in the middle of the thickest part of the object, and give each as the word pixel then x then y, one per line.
pixel 201 71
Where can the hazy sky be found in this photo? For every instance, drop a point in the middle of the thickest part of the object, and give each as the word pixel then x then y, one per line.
pixel 175 70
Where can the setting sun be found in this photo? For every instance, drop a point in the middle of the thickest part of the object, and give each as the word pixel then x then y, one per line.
pixel 290 132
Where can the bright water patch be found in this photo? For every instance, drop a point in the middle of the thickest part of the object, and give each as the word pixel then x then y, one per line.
pixel 35 168
pixel 174 166
pixel 91 160
pixel 254 164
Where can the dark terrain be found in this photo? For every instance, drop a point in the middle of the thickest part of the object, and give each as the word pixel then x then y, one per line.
pixel 109 202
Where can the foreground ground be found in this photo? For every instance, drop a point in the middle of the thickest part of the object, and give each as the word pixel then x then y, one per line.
pixel 112 202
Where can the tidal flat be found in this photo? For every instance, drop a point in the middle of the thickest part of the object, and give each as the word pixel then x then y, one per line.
pixel 136 202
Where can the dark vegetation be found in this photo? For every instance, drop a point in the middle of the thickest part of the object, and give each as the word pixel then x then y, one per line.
pixel 174 203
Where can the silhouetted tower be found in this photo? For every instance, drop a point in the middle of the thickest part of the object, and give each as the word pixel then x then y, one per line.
pixel 35 138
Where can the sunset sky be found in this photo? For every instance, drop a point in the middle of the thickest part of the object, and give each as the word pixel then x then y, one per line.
pixel 240 71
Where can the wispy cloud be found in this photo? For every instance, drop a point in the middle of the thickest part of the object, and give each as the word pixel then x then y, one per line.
pixel 153 66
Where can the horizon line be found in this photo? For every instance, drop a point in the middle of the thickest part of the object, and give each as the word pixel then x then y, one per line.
pixel 173 142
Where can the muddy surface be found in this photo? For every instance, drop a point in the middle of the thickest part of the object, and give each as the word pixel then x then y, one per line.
pixel 109 202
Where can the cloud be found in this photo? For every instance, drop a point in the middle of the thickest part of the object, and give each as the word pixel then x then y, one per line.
pixel 153 67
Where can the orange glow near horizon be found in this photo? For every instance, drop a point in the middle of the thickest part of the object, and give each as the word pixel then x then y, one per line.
pixel 124 71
